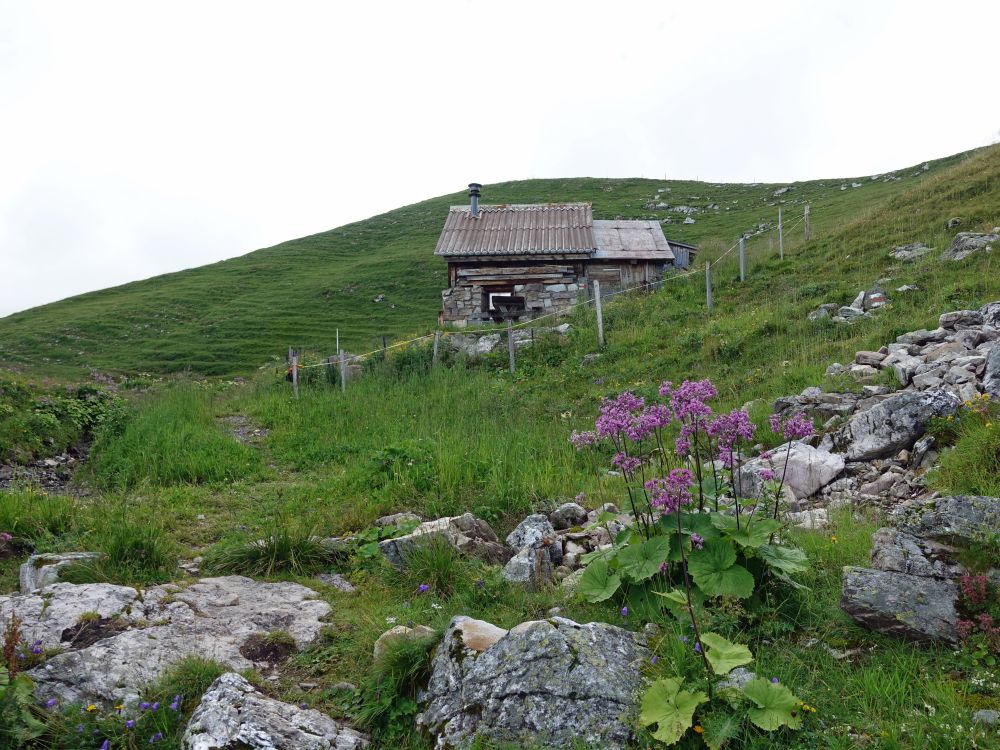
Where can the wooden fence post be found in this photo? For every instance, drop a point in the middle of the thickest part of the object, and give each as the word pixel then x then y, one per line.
pixel 781 237
pixel 437 339
pixel 510 341
pixel 343 372
pixel 742 259
pixel 805 228
pixel 600 313
pixel 708 284
pixel 338 341
pixel 295 373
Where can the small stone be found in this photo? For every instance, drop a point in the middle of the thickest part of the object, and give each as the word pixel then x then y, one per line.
pixel 986 716
pixel 568 515
pixel 337 581
pixel 401 633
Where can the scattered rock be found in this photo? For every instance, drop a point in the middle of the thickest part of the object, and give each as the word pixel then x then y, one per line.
pixel 42 570
pixel 398 519
pixel 737 679
pixel 568 515
pixel 401 633
pixel 968 243
pixel 232 715
pixel 893 424
pixel 466 533
pixel 909 253
pixel 954 222
pixel 531 567
pixel 808 469
pixel 902 605
pixel 986 716
pixel 548 684
pixel 589 359
pixel 531 530
pixel 337 581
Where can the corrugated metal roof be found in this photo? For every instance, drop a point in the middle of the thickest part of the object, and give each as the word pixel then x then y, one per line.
pixel 631 240
pixel 519 229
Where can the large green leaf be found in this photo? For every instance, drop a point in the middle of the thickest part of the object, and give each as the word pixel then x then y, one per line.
pixel 753 534
pixel 786 559
pixel 715 571
pixel 597 582
pixel 676 596
pixel 700 524
pixel 719 729
pixel 670 708
pixel 776 706
pixel 642 561
pixel 724 655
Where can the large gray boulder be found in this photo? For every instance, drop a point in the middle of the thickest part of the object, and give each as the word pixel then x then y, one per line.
pixel 991 376
pixel 953 519
pixel 234 716
pixel 545 684
pixel 909 606
pixel 466 533
pixel 531 531
pixel 968 243
pixel 808 470
pixel 892 425
pixel 45 615
pixel 213 618
pixel 531 567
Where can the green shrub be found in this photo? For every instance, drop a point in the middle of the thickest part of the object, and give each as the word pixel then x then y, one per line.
pixel 284 548
pixel 387 700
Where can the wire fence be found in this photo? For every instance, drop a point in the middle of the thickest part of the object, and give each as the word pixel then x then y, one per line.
pixel 353 359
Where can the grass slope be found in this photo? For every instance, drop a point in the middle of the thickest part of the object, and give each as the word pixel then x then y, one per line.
pixel 228 317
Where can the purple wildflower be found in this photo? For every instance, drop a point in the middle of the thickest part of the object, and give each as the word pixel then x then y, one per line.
pixel 728 429
pixel 5 537
pixel 51 703
pixel 583 440
pixel 682 446
pixel 618 414
pixel 156 738
pixel 303 706
pixel 654 660
pixel 144 706
pixel 154 707
pixel 581 498
pixel 767 475
pixel 797 427
pixel 130 724
pixel 697 647
pixel 688 400
pixel 626 463
pixel 624 611
pixel 683 638
pixel 671 492
pixel 79 728
pixel 423 588
pixel 106 745
pixel 774 680
pixel 697 541
pixel 176 703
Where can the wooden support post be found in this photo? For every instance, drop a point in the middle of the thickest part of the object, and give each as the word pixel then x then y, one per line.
pixel 295 374
pixel 343 371
pixel 743 261
pixel 600 313
pixel 510 341
pixel 708 284
pixel 338 341
pixel 781 236
pixel 437 339
pixel 383 346
pixel 805 228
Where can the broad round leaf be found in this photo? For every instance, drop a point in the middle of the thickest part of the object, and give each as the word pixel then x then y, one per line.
pixel 642 561
pixel 724 655
pixel 786 559
pixel 776 706
pixel 597 583
pixel 670 708
pixel 713 568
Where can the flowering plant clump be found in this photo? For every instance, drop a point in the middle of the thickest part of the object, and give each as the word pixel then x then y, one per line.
pixel 121 727
pixel 979 622
pixel 696 537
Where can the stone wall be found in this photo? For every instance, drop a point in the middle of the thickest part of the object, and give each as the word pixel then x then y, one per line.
pixel 463 305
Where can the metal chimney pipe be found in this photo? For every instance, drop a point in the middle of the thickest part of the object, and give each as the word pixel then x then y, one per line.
pixel 474 196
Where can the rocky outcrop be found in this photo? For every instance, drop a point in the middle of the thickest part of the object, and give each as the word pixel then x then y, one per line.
pixel 910 590
pixel 892 425
pixel 212 618
pixel 232 715
pixel 466 533
pixel 567 515
pixel 544 684
pixel 969 243
pixel 909 253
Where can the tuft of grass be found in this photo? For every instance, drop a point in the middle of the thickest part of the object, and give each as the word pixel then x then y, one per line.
pixel 133 552
pixel 284 548
pixel 388 697
pixel 37 517
pixel 972 465
pixel 434 563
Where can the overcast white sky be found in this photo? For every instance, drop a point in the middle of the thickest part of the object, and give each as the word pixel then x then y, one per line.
pixel 138 138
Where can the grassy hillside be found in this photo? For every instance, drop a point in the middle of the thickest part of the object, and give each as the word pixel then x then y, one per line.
pixel 229 317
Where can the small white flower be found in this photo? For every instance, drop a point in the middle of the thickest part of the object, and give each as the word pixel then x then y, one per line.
pixel 435 605
pixel 390 620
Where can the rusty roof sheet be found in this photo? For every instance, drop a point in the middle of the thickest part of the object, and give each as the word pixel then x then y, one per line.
pixel 519 229
pixel 631 240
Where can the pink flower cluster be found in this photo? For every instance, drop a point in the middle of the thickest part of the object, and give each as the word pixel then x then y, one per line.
pixel 671 492
pixel 796 428
pixel 727 430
